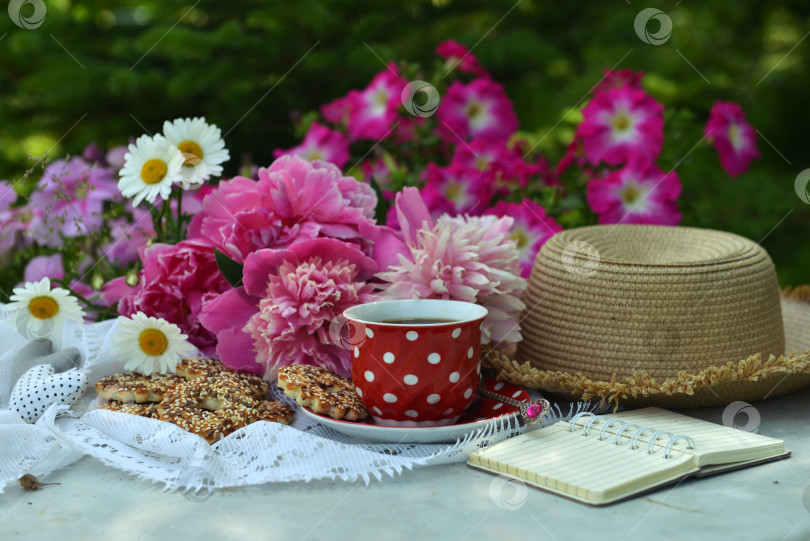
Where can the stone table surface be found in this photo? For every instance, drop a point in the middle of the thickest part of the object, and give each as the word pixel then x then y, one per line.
pixel 767 502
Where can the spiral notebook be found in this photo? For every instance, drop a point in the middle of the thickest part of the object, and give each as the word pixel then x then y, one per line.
pixel 603 459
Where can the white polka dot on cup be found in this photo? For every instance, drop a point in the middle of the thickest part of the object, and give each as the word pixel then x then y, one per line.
pixel 388 357
pixel 433 398
pixel 434 358
pixel 369 333
pixel 356 352
pixel 369 375
pixel 412 413
pixel 377 410
pixel 468 393
pixel 516 394
pixel 410 379
pixel 499 386
pixel 498 406
pixel 454 377
pixel 456 333
pixel 359 391
pixel 470 352
pixel 448 411
pixel 411 335
pixel 390 398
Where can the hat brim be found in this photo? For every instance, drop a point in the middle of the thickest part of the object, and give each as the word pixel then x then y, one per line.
pixel 747 380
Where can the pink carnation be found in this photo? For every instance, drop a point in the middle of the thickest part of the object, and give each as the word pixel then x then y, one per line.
pixel 69 200
pixel 337 111
pixel 636 194
pixel 733 137
pixel 502 166
pixel 293 200
pixel 320 143
pixel 621 124
pixel 175 284
pixel 462 258
pixel 458 56
pixel 477 109
pixel 531 230
pixel 372 111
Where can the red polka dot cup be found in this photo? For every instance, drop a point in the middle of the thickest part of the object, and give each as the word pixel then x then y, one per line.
pixel 416 362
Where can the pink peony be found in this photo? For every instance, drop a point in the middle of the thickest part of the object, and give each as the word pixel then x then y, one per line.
pixel 477 109
pixel 310 287
pixel 531 230
pixel 293 200
pixel 636 194
pixel 621 124
pixel 458 56
pixel 455 190
pixel 70 200
pixel 320 143
pixel 372 111
pixel 44 266
pixel 462 258
pixel 175 284
pixel 282 314
pixel 733 137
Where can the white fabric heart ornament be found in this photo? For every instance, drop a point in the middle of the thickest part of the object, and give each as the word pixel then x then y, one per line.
pixel 40 387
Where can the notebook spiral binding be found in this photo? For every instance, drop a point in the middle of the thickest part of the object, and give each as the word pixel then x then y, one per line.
pixel 634 437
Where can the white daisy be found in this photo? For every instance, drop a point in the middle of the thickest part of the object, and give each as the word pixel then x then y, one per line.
pixel 199 142
pixel 42 311
pixel 151 166
pixel 149 344
pixel 194 176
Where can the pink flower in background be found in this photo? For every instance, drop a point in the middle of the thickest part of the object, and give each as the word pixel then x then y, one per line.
pixel 337 111
pixel 621 124
pixel 620 78
pixel 455 190
pixel 115 156
pixel 372 111
pixel 458 56
pixel 70 200
pixel 10 218
pixel 636 194
pixel 175 283
pixel 293 200
pixel 734 139
pixel 503 166
pixel 309 286
pixel 477 109
pixel 531 230
pixel 461 258
pixel 320 143
pixel 44 266
pixel 127 237
pixel 379 170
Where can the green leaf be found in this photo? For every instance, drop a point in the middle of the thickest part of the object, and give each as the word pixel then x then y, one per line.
pixel 230 269
pixel 381 213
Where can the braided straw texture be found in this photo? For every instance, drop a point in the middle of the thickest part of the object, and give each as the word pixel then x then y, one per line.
pixel 646 315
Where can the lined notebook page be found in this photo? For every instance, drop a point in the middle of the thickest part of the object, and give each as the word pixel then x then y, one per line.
pixel 714 444
pixel 584 468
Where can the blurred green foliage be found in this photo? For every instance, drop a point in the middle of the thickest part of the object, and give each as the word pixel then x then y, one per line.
pixel 108 70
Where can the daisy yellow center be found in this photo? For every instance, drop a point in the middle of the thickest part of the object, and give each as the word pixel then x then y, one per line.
pixel 621 121
pixel 153 342
pixel 153 171
pixel 631 193
pixel 191 152
pixel 43 307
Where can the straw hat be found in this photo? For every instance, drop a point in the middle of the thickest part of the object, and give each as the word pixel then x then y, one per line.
pixel 669 316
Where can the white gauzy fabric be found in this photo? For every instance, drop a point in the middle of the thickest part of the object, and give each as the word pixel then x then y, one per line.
pixel 161 452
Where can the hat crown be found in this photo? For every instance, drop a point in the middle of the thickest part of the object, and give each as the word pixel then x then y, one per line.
pixel 621 299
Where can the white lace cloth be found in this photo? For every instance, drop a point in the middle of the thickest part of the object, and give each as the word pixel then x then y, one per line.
pixel 161 452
